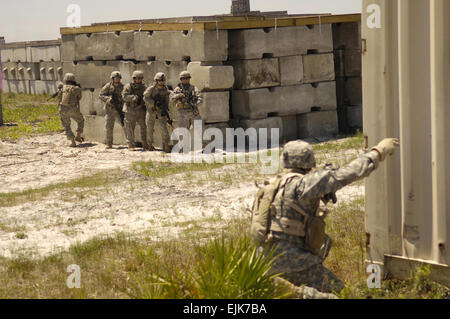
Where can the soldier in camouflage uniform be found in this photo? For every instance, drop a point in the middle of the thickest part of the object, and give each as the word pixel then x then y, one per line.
pixel 69 96
pixel 111 94
pixel 287 212
pixel 187 99
pixel 133 95
pixel 156 98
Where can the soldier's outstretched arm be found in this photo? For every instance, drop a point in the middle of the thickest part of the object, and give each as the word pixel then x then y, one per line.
pixel 322 182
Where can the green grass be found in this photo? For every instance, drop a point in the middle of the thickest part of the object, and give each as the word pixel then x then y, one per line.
pixel 74 187
pixel 27 115
pixel 220 266
pixel 345 225
pixel 163 169
pixel 354 142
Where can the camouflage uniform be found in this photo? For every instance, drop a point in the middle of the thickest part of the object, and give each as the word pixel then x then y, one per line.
pixel 154 113
pixel 186 113
pixel 134 113
pixel 69 108
pixel 112 114
pixel 297 201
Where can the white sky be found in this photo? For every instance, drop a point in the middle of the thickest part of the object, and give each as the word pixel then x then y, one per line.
pixel 27 20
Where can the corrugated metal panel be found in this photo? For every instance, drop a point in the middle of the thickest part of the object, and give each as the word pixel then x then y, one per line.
pixel 406 92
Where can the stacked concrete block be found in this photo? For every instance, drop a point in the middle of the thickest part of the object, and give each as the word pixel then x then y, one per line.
pixel 281 73
pixel 284 100
pixel 317 124
pixel 270 42
pixel 347 55
pixel 31 67
pixel 93 57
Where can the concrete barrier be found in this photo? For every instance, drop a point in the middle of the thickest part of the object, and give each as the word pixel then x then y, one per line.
pixel 253 74
pixel 45 53
pixel 43 87
pixel 16 86
pixel 14 55
pixel 349 91
pixel 267 123
pixel 215 107
pixel 317 124
pixel 347 36
pixel 181 45
pixel 20 71
pixel 290 130
pixel 318 68
pixel 211 77
pixel 291 70
pixel 355 116
pixel 104 46
pixel 51 71
pixel 285 41
pixel 283 101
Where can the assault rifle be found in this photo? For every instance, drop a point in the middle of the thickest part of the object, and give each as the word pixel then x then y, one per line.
pixel 140 96
pixel 164 110
pixel 189 100
pixel 118 107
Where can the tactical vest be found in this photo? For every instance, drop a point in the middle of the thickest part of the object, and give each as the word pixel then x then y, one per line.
pixel 69 96
pixel 184 103
pixel 276 215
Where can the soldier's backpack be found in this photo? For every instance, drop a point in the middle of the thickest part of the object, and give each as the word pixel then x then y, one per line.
pixel 262 210
pixel 264 218
pixel 68 95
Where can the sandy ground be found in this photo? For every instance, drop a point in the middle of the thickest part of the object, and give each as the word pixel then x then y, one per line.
pixel 134 205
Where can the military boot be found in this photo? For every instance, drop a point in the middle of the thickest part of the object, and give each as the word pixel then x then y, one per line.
pixel 131 147
pixel 79 138
pixel 72 142
pixel 109 146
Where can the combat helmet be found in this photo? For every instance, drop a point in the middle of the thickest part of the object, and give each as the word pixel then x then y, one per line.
pixel 138 75
pixel 160 76
pixel 69 77
pixel 185 75
pixel 298 155
pixel 116 74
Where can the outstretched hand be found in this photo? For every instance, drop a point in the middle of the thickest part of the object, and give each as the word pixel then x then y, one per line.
pixel 386 147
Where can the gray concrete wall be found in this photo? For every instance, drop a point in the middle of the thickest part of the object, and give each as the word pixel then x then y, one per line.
pixel 347 57
pixel 31 67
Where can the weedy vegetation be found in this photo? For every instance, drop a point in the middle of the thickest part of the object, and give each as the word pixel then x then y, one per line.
pixel 25 115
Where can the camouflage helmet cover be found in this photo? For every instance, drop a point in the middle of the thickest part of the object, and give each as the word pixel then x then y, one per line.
pixel 138 75
pixel 298 154
pixel 160 76
pixel 69 77
pixel 116 74
pixel 185 75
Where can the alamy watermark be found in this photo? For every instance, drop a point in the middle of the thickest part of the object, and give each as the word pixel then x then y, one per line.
pixel 374 18
pixel 241 146
pixel 374 279
pixel 74 279
pixel 74 18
